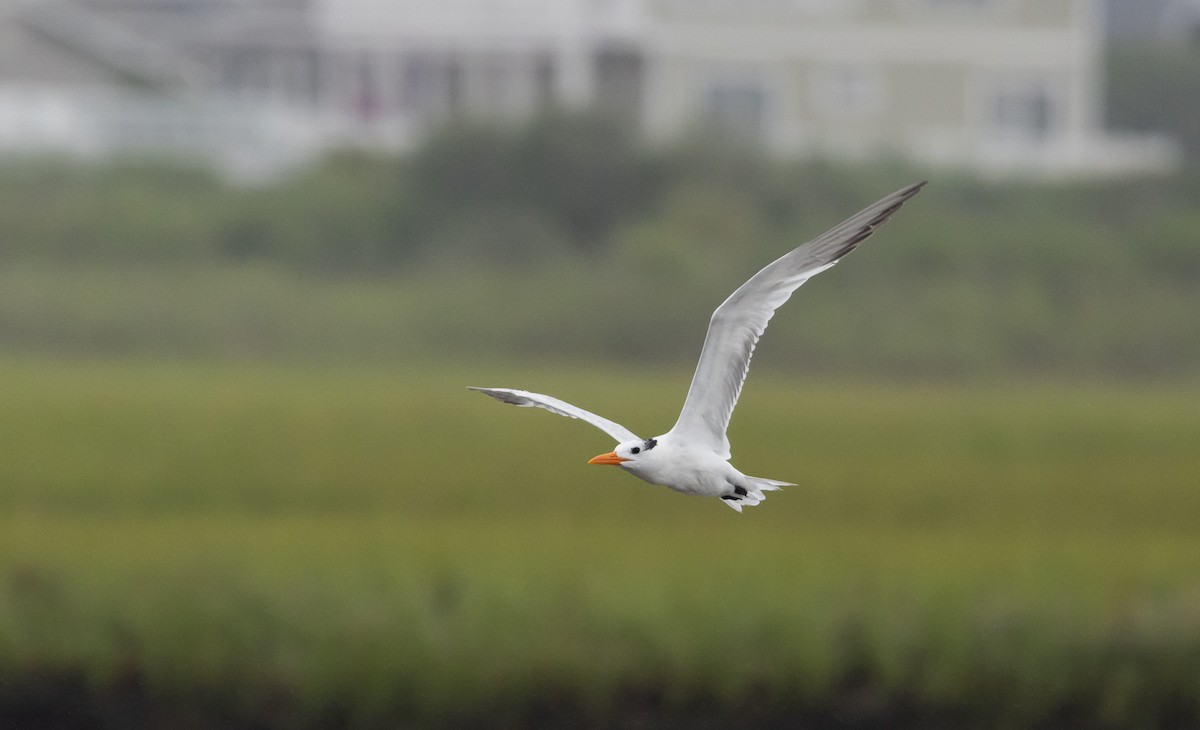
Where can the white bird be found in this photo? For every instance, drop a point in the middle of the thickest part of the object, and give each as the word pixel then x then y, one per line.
pixel 693 457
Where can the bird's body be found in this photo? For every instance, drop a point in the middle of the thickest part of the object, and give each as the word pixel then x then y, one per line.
pixel 679 466
pixel 693 457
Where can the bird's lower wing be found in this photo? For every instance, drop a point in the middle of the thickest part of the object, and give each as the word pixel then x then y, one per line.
pixel 737 324
pixel 525 399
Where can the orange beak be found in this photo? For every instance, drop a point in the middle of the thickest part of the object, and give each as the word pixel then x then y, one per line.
pixel 609 458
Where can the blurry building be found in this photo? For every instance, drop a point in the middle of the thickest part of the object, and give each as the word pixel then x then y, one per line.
pixel 160 78
pixel 991 85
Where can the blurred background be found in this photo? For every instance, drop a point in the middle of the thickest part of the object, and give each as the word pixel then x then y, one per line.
pixel 251 250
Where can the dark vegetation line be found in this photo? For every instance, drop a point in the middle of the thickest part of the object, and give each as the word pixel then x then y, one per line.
pixel 861 700
pixel 570 186
pixel 500 242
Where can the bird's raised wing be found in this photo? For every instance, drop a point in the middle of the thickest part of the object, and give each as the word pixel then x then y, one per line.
pixel 525 399
pixel 737 324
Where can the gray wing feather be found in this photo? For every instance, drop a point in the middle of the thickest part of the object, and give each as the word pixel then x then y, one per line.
pixel 525 399
pixel 737 324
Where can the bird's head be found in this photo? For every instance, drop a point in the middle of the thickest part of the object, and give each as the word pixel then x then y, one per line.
pixel 627 453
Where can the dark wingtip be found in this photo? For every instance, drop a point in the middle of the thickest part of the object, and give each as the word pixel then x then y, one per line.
pixel 901 197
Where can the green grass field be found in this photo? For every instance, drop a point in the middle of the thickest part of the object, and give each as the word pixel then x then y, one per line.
pixel 288 546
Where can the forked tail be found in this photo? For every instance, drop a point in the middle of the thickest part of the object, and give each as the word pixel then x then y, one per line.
pixel 752 494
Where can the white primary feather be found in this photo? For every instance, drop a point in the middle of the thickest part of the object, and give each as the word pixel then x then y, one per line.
pixel 693 456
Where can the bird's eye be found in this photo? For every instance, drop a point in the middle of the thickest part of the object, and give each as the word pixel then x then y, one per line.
pixel 634 450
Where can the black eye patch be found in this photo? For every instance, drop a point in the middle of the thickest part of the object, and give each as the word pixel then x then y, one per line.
pixel 634 450
pixel 651 443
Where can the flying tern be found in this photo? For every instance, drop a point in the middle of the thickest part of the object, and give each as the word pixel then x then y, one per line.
pixel 693 457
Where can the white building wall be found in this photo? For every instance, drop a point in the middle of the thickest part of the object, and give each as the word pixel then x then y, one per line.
pixel 802 77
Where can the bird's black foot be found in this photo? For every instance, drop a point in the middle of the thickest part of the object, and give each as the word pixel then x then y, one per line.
pixel 730 498
pixel 739 491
